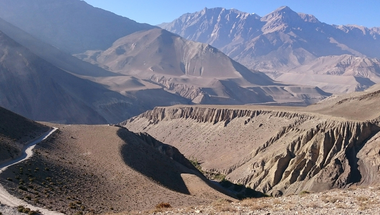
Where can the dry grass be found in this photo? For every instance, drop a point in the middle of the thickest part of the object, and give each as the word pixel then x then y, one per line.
pixel 163 205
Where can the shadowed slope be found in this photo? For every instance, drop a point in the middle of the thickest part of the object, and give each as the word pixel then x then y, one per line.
pixel 15 132
pixel 34 88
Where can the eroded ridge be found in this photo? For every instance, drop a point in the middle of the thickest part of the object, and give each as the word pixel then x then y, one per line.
pixel 270 150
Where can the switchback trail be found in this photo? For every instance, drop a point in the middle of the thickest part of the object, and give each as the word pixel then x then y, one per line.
pixel 12 201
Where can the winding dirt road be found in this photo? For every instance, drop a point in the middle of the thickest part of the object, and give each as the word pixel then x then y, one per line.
pixel 5 197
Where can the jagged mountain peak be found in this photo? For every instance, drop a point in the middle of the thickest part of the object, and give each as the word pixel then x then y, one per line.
pixel 281 12
pixel 282 18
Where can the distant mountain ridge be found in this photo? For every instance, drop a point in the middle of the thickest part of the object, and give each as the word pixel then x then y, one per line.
pixel 278 42
pixel 239 34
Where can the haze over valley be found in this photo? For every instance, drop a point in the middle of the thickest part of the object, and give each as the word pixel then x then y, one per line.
pixel 217 111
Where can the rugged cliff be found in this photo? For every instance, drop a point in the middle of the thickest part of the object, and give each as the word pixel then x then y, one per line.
pixel 273 150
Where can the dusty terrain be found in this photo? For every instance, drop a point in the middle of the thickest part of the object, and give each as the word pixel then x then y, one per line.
pixel 363 200
pixel 277 150
pixel 106 169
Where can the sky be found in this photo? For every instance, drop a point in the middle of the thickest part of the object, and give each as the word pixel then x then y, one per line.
pixel 338 12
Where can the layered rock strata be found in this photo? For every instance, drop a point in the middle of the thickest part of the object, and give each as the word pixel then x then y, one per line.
pixel 268 149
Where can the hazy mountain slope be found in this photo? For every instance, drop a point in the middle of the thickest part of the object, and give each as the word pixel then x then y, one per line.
pixel 193 70
pixel 338 74
pixel 51 54
pixel 107 169
pixel 15 131
pixel 34 88
pixel 277 150
pixel 70 25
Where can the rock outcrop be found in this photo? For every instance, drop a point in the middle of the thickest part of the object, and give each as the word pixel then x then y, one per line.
pixel 270 149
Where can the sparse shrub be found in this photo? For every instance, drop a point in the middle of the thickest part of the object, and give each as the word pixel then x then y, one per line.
pixel 72 205
pixel 304 192
pixel 219 177
pixel 196 164
pixel 362 198
pixel 22 188
pixel 26 210
pixel 20 208
pixel 163 205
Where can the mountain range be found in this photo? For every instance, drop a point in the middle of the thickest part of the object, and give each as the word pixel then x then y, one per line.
pixel 283 41
pixel 143 62
pixel 120 80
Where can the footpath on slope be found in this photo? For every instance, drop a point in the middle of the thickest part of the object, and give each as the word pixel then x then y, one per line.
pixel 5 197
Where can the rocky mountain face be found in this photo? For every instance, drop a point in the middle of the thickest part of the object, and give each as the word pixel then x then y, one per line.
pixel 70 25
pixel 195 71
pixel 15 132
pixel 279 42
pixel 277 150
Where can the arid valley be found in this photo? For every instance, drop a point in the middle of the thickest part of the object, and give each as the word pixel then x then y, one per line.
pixel 219 111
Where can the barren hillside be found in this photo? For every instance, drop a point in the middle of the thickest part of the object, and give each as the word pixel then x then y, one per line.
pixel 276 150
pixel 106 169
pixel 195 71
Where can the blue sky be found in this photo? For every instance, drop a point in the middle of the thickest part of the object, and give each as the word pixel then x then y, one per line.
pixel 359 12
